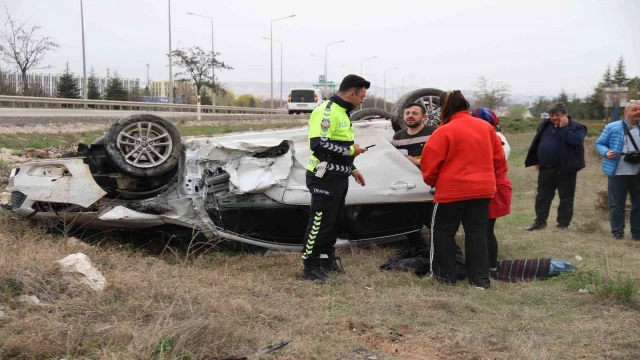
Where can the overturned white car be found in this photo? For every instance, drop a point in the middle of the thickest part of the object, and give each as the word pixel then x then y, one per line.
pixel 248 187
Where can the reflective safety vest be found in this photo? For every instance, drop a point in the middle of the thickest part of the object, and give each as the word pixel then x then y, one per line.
pixel 331 139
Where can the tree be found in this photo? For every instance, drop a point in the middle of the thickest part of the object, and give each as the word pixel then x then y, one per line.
pixel 21 45
pixel 620 75
pixel 197 68
pixel 135 94
pixel 115 90
pixel 492 95
pixel 516 111
pixel 93 92
pixel 562 97
pixel 147 92
pixel 67 85
pixel 539 107
pixel 606 78
pixel 247 100
pixel 228 98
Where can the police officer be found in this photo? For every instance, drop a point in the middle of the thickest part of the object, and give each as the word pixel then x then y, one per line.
pixel 331 140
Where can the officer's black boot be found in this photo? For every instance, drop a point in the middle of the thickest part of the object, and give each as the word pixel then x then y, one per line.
pixel 331 264
pixel 312 271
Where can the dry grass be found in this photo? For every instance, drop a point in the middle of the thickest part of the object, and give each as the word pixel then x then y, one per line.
pixel 222 305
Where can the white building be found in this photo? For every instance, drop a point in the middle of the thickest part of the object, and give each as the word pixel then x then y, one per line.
pixel 49 82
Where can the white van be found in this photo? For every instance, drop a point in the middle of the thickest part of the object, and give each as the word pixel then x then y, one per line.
pixel 304 100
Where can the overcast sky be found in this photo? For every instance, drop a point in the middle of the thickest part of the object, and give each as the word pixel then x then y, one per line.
pixel 536 46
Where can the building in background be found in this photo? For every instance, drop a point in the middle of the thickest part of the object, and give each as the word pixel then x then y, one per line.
pixel 48 83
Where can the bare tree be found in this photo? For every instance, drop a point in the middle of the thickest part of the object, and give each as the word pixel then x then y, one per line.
pixel 20 45
pixel 197 68
pixel 492 95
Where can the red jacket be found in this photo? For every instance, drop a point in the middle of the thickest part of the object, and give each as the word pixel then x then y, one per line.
pixel 460 159
pixel 501 203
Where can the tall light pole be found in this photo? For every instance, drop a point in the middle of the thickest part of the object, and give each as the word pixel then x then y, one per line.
pixel 375 91
pixel 170 60
pixel 402 82
pixel 84 62
pixel 213 61
pixel 271 49
pixel 148 80
pixel 325 63
pixel 361 61
pixel 384 89
pixel 281 68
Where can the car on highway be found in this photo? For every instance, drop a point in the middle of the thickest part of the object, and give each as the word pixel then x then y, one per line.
pixel 246 187
pixel 303 100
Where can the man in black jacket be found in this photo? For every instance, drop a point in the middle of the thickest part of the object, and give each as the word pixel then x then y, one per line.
pixel 557 151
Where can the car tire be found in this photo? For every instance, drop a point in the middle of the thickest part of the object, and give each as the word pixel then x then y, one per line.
pixel 370 114
pixel 429 97
pixel 150 158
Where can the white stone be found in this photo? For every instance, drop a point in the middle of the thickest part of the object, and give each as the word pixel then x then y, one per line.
pixel 578 257
pixel 2 315
pixel 79 269
pixel 31 300
pixel 583 291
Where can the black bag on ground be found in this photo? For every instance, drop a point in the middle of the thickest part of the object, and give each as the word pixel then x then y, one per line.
pixel 417 261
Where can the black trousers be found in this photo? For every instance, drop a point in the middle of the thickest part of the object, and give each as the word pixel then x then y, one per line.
pixel 325 217
pixel 550 179
pixel 473 214
pixel 415 239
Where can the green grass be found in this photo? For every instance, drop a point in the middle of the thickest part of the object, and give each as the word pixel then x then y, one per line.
pixel 21 141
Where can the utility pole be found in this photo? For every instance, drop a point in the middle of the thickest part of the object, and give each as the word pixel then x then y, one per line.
pixel 148 80
pixel 271 56
pixel 170 60
pixel 375 91
pixel 84 61
pixel 384 89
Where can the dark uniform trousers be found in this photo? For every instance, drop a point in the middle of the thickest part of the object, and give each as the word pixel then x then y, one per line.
pixel 550 179
pixel 327 206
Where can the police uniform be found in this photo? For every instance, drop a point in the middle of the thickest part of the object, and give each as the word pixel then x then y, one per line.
pixel 331 140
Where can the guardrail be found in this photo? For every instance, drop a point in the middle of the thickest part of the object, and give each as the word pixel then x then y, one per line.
pixel 62 103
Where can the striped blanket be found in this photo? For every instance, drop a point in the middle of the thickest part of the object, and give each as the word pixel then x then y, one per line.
pixel 530 269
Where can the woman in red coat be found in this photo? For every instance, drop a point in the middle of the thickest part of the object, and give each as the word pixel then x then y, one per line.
pixel 459 161
pixel 501 204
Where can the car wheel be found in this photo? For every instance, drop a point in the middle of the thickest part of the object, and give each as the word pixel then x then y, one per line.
pixel 370 114
pixel 143 145
pixel 428 97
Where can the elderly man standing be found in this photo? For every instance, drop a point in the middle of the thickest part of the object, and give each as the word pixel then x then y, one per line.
pixel 557 151
pixel 617 138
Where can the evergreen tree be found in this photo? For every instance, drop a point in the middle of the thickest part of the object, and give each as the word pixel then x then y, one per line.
pixel 115 90
pixel 606 78
pixel 620 75
pixel 146 91
pixel 92 86
pixel 67 85
pixel 562 97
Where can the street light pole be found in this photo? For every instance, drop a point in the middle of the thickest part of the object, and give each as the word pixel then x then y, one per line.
pixel 271 49
pixel 213 61
pixel 384 89
pixel 325 63
pixel 84 62
pixel 361 61
pixel 281 67
pixel 375 92
pixel 170 60
pixel 402 82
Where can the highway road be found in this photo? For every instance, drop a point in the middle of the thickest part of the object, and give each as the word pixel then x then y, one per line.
pixel 25 112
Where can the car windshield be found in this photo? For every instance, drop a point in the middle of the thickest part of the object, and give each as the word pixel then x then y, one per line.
pixel 302 96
